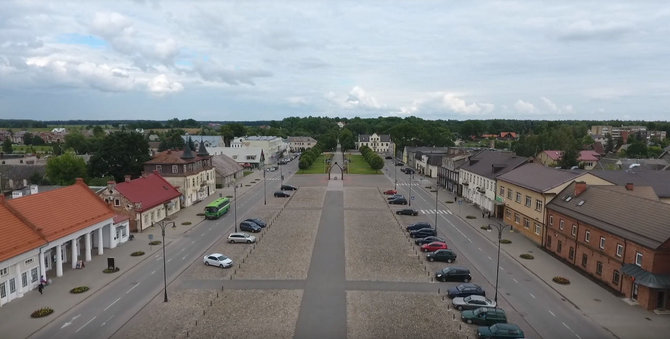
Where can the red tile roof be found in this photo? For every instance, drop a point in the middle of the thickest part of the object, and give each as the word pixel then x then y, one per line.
pixel 17 235
pixel 554 155
pixel 588 156
pixel 174 158
pixel 150 191
pixel 63 211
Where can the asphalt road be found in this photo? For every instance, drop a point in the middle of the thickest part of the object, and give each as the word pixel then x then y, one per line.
pixel 544 312
pixel 102 314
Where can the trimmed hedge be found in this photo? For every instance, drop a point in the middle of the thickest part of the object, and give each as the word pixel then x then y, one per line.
pixel 80 289
pixel 561 280
pixel 42 312
pixel 526 256
pixel 137 253
pixel 155 242
pixel 107 270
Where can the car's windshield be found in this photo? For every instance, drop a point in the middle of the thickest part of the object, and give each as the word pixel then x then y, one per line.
pixel 221 258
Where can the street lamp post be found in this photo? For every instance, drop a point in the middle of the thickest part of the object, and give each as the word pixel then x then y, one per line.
pixel 500 228
pixel 436 190
pixel 265 192
pixel 411 177
pixel 162 225
pixel 235 205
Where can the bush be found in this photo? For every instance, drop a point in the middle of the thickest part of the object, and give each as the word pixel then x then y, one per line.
pixel 107 270
pixel 471 217
pixel 505 241
pixel 200 214
pixel 527 256
pixel 137 253
pixel 42 312
pixel 186 223
pixel 561 280
pixel 155 242
pixel 485 227
pixel 80 289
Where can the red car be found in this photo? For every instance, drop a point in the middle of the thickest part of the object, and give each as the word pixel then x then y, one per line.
pixel 434 246
pixel 391 192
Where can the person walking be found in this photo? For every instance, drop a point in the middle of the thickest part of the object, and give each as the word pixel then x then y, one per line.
pixel 40 288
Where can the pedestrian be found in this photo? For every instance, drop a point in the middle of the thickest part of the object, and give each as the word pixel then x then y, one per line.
pixel 40 288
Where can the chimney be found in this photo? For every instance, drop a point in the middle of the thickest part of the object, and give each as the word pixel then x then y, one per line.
pixel 580 186
pixel 126 178
pixel 629 186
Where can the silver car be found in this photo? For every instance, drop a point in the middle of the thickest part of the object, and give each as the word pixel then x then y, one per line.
pixel 218 259
pixel 241 237
pixel 472 302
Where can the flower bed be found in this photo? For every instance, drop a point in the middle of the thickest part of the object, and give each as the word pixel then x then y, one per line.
pixel 186 223
pixel 80 289
pixel 527 256
pixel 155 242
pixel 109 270
pixel 137 253
pixel 505 241
pixel 42 312
pixel 561 280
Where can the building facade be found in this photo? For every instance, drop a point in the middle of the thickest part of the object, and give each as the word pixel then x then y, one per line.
pixel 299 144
pixel 379 143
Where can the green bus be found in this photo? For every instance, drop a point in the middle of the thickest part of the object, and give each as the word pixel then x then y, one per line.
pixel 217 208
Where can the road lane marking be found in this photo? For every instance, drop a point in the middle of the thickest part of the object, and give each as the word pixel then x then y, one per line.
pixel 66 324
pixel 110 305
pixel 490 258
pixel 154 271
pixel 88 322
pixel 479 248
pixel 552 313
pixel 105 322
pixel 169 260
pixel 516 281
pixel 183 258
pixel 501 268
pixel 531 294
pixel 132 288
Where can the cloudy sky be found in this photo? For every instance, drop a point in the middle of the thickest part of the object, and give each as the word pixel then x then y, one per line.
pixel 267 60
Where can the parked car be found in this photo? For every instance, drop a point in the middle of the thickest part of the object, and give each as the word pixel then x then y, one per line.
pixel 398 201
pixel 499 331
pixel 288 188
pixel 388 157
pixel 464 290
pixel 281 194
pixel 408 170
pixel 484 316
pixel 249 226
pixel 433 246
pixel 422 233
pixel 407 211
pixel 418 226
pixel 471 302
pixel 271 169
pixel 427 240
pixel 257 221
pixel 391 192
pixel 453 273
pixel 395 196
pixel 241 237
pixel 442 255
pixel 400 163
pixel 218 259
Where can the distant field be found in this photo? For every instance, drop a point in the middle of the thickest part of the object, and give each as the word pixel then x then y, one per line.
pixel 318 166
pixel 358 165
pixel 35 149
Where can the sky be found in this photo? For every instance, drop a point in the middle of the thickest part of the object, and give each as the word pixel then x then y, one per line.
pixel 268 60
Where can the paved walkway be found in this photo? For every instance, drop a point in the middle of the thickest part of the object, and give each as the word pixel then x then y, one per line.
pixel 617 315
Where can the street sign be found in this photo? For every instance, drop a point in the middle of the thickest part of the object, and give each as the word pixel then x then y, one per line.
pixel 151 237
pixel 412 197
pixel 460 201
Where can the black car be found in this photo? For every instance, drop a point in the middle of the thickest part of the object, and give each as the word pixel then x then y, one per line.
pixel 398 201
pixel 388 157
pixel 249 226
pixel 280 194
pixel 442 255
pixel 395 196
pixel 257 221
pixel 453 273
pixel 464 290
pixel 288 188
pixel 407 211
pixel 400 163
pixel 418 226
pixel 422 233
pixel 428 240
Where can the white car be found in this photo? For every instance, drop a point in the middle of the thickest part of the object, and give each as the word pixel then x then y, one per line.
pixel 218 259
pixel 241 237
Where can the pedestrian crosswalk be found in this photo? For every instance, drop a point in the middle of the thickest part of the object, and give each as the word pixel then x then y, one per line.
pixel 407 184
pixel 433 212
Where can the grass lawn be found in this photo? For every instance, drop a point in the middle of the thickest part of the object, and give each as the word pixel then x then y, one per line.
pixel 358 165
pixel 318 166
pixel 35 149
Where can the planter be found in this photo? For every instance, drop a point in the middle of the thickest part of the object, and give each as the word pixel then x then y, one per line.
pixel 561 280
pixel 527 256
pixel 485 227
pixel 505 241
pixel 186 223
pixel 471 217
pixel 107 270
pixel 137 253
pixel 80 289
pixel 155 242
pixel 42 312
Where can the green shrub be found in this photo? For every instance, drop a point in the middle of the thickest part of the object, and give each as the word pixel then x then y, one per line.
pixel 80 289
pixel 155 242
pixel 137 253
pixel 108 270
pixel 561 280
pixel 527 256
pixel 471 217
pixel 485 227
pixel 42 312
pixel 505 241
pixel 186 223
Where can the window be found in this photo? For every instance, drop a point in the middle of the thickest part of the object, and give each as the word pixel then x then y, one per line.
pixel 599 268
pixel 551 220
pixel 571 253
pixel 117 202
pixel 508 214
pixel 587 236
pixel 602 243
pixel 549 242
pixel 638 259
pixel 526 223
pixel 3 291
pixel 559 247
pixel 518 197
pixel 509 193
pixel 502 191
pixel 529 201
pixel 4 271
pixel 585 259
pixel 12 285
pixel 538 205
pixel 24 279
pixel 574 230
pixel 159 168
pixel 619 250
pixel 538 228
pixel 175 169
pixel 517 219
pixel 561 224
pixel 33 275
pixel 615 277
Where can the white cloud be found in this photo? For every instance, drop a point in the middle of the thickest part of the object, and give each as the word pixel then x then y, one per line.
pixel 458 105
pixel 161 85
pixel 358 98
pixel 524 107
pixel 555 109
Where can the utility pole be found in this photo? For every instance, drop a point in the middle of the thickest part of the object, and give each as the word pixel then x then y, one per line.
pixel 436 191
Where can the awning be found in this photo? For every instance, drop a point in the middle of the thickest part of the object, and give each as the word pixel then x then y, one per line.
pixel 645 278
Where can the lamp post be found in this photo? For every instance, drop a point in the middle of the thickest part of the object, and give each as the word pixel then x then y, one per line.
pixel 396 169
pixel 162 225
pixel 235 205
pixel 265 192
pixel 500 228
pixel 436 190
pixel 411 176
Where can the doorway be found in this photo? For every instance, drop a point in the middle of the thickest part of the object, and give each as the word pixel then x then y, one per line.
pixel 633 295
pixel 660 300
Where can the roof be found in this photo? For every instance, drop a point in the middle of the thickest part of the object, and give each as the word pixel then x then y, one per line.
pixel 225 165
pixel 173 157
pixel 627 214
pixel 62 211
pixel 239 154
pixel 366 137
pixel 301 139
pixel 554 155
pixel 491 164
pixel 658 180
pixel 209 140
pixel 149 191
pixel 588 156
pixel 538 178
pixel 645 278
pixel 17 235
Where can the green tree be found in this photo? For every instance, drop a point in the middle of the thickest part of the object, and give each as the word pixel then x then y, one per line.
pixel 172 140
pixel 7 146
pixel 569 158
pixel 57 149
pixel 77 142
pixel 227 134
pixel 238 129
pixel 64 169
pixel 120 154
pixel 609 146
pixel 28 138
pixel 347 139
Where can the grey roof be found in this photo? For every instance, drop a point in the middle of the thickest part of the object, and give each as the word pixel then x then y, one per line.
pixel 209 140
pixel 301 139
pixel 435 160
pixel 427 149
pixel 651 164
pixel 491 164
pixel 366 137
pixel 658 180
pixel 225 165
pixel 617 211
pixel 538 178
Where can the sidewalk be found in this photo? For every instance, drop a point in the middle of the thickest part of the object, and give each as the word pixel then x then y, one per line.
pixel 613 313
pixel 16 321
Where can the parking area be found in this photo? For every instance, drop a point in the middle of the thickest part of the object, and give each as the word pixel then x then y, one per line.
pixel 389 293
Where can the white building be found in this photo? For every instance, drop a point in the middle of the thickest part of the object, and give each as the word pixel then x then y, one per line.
pixel 379 143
